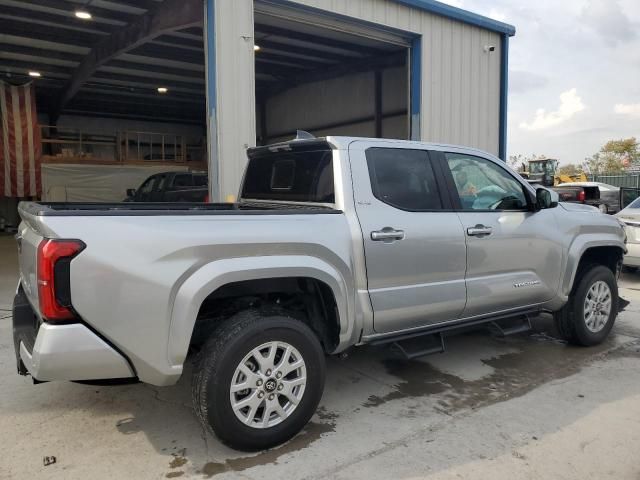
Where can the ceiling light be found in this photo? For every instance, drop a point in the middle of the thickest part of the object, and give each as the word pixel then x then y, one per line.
pixel 256 48
pixel 83 14
pixel 33 73
pixel 163 89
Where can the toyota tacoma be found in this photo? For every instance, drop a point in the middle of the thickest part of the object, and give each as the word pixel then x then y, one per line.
pixel 334 243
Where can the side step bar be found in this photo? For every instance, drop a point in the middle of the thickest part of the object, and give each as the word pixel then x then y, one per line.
pixel 501 328
pixel 420 344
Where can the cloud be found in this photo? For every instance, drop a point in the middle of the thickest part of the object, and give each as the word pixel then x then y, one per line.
pixel 629 109
pixel 570 104
pixel 497 15
pixel 454 3
pixel 521 81
pixel 607 18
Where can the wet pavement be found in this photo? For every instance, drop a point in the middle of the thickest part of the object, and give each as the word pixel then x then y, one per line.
pixel 526 406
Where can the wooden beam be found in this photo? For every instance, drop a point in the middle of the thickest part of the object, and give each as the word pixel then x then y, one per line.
pixel 170 15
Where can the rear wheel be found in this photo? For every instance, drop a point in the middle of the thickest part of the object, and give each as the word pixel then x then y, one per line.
pixel 591 311
pixel 259 379
pixel 603 208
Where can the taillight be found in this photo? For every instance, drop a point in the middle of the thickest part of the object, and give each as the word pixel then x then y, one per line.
pixel 581 196
pixel 207 199
pixel 54 257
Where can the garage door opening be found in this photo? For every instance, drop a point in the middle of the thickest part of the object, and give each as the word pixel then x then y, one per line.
pixel 328 79
pixel 111 103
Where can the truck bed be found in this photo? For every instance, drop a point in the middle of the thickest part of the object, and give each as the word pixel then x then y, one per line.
pixel 59 209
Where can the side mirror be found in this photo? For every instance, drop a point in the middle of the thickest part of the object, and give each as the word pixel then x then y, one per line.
pixel 131 192
pixel 544 199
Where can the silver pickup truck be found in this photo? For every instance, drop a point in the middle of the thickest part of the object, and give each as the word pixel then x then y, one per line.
pixel 334 243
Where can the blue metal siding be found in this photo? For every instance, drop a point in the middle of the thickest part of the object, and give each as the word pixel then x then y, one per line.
pixel 416 88
pixel 211 88
pixel 504 95
pixel 460 15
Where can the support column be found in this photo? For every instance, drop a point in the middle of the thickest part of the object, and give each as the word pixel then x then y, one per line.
pixel 230 70
pixel 415 89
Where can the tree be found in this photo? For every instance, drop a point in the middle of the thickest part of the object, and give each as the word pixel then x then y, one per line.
pixel 614 157
pixel 626 149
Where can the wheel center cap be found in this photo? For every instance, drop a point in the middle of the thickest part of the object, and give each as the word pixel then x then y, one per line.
pixel 270 385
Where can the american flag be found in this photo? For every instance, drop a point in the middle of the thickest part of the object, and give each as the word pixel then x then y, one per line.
pixel 20 141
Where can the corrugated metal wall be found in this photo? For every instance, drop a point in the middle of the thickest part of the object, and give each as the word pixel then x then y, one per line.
pixel 341 100
pixel 460 81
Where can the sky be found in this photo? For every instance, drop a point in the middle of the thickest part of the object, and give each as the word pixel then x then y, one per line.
pixel 574 73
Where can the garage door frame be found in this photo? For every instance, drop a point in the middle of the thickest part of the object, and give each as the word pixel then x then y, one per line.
pixel 411 40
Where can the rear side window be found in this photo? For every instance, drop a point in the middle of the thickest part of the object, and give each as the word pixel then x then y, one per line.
pixel 291 176
pixel 200 180
pixel 183 180
pixel 403 179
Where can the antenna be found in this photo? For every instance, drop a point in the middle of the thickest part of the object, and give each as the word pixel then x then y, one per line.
pixel 302 135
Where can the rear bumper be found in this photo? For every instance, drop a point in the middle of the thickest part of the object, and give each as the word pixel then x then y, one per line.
pixel 62 352
pixel 632 258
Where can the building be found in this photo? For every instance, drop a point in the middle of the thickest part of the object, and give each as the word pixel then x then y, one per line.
pixel 193 83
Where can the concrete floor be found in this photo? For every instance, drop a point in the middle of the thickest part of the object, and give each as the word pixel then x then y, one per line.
pixel 527 406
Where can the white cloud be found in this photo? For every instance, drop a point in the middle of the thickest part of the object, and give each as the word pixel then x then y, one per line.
pixel 570 104
pixel 454 3
pixel 630 109
pixel 607 18
pixel 497 15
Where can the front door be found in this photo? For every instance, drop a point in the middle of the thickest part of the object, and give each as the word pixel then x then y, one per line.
pixel 514 253
pixel 414 243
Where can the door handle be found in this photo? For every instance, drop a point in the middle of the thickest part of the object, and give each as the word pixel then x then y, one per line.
pixel 479 231
pixel 387 234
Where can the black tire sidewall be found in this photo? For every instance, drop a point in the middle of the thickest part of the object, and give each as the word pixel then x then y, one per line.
pixel 595 274
pixel 221 416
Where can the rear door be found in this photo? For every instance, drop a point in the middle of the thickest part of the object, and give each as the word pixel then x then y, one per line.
pixel 414 243
pixel 514 254
pixel 145 192
pixel 160 187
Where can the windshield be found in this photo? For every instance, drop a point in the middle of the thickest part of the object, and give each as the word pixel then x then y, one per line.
pixel 541 167
pixel 635 203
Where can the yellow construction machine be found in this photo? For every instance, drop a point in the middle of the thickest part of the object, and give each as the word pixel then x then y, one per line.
pixel 543 171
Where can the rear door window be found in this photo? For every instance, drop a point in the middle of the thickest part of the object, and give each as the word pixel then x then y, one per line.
pixel 183 180
pixel 403 179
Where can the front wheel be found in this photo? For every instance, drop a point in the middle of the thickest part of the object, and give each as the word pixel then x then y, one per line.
pixel 591 311
pixel 259 379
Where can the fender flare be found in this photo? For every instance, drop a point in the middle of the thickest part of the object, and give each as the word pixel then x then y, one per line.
pixel 212 276
pixel 577 251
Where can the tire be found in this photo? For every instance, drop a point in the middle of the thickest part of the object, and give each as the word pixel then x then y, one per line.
pixel 604 208
pixel 228 353
pixel 571 321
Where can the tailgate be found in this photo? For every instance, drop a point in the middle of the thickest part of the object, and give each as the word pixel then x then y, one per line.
pixel 573 194
pixel 28 240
